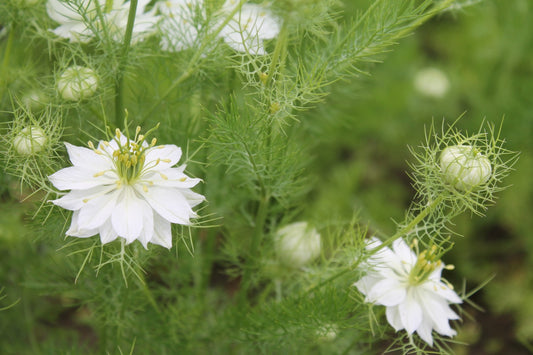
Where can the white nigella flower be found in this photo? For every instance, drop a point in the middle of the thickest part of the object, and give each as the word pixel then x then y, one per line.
pixel 249 27
pixel 77 83
pixel 178 23
pixel 465 167
pixel 126 188
pixel 297 244
pixel 410 287
pixel 431 82
pixel 29 140
pixel 79 19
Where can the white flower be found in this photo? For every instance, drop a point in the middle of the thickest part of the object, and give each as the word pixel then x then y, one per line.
pixel 79 19
pixel 297 244
pixel 431 82
pixel 77 83
pixel 464 167
pixel 126 188
pixel 249 27
pixel 29 140
pixel 410 287
pixel 178 23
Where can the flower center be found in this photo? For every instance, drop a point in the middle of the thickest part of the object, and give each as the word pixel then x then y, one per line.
pixel 427 262
pixel 129 157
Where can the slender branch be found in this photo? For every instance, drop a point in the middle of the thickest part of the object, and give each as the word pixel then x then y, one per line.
pixel 123 60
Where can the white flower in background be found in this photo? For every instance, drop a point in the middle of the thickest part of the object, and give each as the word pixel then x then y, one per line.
pixel 297 244
pixel 178 23
pixel 249 27
pixel 465 167
pixel 79 19
pixel 410 287
pixel 75 18
pixel 126 188
pixel 77 83
pixel 431 82
pixel 29 140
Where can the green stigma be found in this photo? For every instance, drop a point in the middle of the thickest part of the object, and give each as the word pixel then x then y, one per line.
pixel 427 262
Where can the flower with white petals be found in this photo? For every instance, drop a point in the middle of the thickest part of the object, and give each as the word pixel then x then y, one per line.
pixel 249 27
pixel 178 23
pixel 410 286
pixel 126 188
pixel 79 19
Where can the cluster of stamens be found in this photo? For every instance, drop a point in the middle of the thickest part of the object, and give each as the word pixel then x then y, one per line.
pixel 427 262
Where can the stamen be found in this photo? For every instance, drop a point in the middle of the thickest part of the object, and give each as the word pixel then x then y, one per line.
pixel 99 174
pixel 163 176
pixel 183 179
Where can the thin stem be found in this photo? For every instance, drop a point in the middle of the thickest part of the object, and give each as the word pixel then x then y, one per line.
pixel 7 54
pixel 123 60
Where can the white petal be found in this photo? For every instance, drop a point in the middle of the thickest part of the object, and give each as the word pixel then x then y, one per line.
pixel 171 178
pixel 162 232
pixel 107 233
pixel 87 158
pixel 127 218
pixel 148 229
pixel 437 309
pixel 387 292
pixel 169 203
pixel 424 331
pixel 410 313
pixel 98 210
pixel 403 252
pixel 76 231
pixel 393 317
pixel 77 178
pixel 165 156
pixel 76 199
pixel 443 291
pixel 365 284
pixel 192 197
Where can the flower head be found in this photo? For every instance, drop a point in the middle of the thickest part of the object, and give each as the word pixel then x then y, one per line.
pixel 29 140
pixel 79 19
pixel 465 167
pixel 410 286
pixel 297 244
pixel 249 27
pixel 77 83
pixel 126 188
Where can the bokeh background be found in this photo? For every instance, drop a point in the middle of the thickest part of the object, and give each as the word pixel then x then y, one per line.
pixel 361 133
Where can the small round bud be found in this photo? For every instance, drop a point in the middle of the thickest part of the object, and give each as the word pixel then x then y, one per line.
pixel 77 83
pixel 297 244
pixel 431 82
pixel 29 140
pixel 464 167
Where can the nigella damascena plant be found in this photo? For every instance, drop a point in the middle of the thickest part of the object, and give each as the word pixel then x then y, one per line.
pixel 249 27
pixel 297 244
pixel 126 188
pixel 411 288
pixel 80 20
pixel 465 167
pixel 77 83
pixel 30 140
pixel 431 82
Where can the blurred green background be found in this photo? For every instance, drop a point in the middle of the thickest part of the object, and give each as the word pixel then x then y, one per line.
pixel 361 133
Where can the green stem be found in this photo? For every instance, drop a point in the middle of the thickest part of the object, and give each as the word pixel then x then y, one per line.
pixel 123 60
pixel 5 60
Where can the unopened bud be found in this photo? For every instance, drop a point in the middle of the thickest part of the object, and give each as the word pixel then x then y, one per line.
pixel 77 83
pixel 29 140
pixel 464 167
pixel 297 244
pixel 431 82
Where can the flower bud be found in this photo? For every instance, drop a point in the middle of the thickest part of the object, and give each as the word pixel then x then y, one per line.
pixel 431 82
pixel 297 244
pixel 77 83
pixel 464 167
pixel 34 100
pixel 29 140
